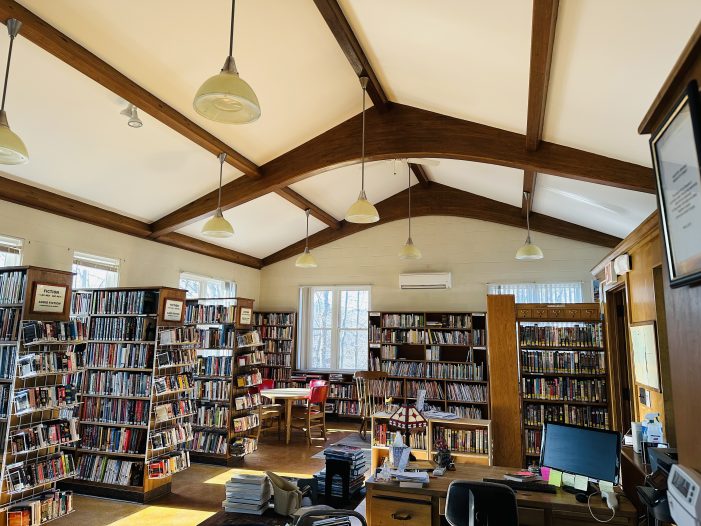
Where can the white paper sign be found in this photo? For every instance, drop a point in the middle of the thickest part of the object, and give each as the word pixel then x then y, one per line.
pixel 420 399
pixel 173 310
pixel 645 355
pixel 246 314
pixel 49 298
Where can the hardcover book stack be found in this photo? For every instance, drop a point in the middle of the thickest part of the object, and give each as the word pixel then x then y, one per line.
pixel 356 460
pixel 247 493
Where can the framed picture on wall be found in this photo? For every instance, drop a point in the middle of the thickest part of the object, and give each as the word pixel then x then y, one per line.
pixel 643 342
pixel 676 158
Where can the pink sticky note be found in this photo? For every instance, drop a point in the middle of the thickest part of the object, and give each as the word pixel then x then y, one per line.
pixel 545 473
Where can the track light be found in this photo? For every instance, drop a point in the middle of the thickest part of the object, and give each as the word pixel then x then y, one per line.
pixel 131 112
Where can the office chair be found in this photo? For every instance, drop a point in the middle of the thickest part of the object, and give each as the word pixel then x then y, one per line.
pixel 480 504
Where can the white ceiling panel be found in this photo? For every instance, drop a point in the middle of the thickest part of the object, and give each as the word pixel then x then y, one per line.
pixel 284 50
pixel 261 227
pixel 80 146
pixel 609 62
pixel 500 183
pixel 606 209
pixel 464 58
pixel 336 190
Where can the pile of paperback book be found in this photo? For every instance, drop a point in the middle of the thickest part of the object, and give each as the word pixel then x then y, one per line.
pixel 247 494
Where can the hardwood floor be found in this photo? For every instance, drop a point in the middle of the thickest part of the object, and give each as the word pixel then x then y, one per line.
pixel 199 491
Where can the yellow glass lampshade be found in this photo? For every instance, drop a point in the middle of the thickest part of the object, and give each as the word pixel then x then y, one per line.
pixel 529 251
pixel 409 251
pixel 362 211
pixel 306 260
pixel 217 226
pixel 227 98
pixel 12 149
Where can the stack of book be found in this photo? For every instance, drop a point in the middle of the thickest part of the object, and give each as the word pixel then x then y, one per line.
pixel 247 493
pixel 355 457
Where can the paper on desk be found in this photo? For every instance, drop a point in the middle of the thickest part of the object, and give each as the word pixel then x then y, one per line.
pixel 605 486
pixel 414 476
pixel 581 483
pixel 568 479
pixel 555 478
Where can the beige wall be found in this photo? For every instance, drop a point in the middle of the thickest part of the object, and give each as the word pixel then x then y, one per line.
pixel 476 252
pixel 50 241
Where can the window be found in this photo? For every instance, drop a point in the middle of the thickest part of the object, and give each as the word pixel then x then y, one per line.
pixel 540 292
pixel 206 287
pixel 334 328
pixel 94 272
pixel 10 251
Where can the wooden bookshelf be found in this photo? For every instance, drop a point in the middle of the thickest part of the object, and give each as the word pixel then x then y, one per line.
pixel 476 435
pixel 278 331
pixel 562 369
pixel 40 369
pixel 229 350
pixel 136 396
pixel 443 352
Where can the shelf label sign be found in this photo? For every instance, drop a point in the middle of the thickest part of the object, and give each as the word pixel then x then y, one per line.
pixel 173 310
pixel 49 298
pixel 245 316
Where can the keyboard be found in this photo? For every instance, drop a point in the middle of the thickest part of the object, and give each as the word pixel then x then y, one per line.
pixel 539 487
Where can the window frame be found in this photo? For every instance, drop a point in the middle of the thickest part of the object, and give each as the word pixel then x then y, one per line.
pixel 203 280
pixel 306 327
pixel 109 264
pixel 12 245
pixel 535 285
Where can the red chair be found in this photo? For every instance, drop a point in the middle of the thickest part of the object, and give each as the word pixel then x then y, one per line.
pixel 317 383
pixel 312 414
pixel 267 384
pixel 268 412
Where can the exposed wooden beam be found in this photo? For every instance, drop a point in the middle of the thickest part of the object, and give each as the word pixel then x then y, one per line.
pixel 343 33
pixel 442 200
pixel 59 45
pixel 411 132
pixel 529 177
pixel 542 43
pixel 303 203
pixel 421 174
pixel 47 201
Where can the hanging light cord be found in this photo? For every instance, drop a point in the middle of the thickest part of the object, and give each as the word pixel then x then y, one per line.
pixel 527 195
pixel 364 84
pixel 222 158
pixel 306 243
pixel 231 30
pixel 7 71
pixel 409 171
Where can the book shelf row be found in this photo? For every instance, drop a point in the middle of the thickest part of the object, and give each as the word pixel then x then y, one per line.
pixel 278 331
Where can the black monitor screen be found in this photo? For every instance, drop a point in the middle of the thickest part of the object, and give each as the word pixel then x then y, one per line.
pixel 593 453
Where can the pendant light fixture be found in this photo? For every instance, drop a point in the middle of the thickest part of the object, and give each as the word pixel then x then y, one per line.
pixel 409 250
pixel 306 260
pixel 131 112
pixel 12 149
pixel 217 226
pixel 528 250
pixel 226 97
pixel 362 211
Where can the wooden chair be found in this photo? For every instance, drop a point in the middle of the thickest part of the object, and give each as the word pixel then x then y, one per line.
pixel 269 412
pixel 372 393
pixel 312 414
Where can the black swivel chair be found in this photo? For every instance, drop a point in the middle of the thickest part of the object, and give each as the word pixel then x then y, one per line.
pixel 480 504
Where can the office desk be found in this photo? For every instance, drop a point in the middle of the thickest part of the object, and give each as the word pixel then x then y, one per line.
pixel 388 504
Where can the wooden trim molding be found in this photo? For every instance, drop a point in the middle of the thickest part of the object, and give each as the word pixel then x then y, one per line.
pixel 303 203
pixel 529 179
pixel 421 174
pixel 59 45
pixel 649 227
pixel 404 132
pixel 440 200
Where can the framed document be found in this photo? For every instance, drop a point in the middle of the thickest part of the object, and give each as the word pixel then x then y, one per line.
pixel 245 315
pixel 49 298
pixel 676 157
pixel 643 341
pixel 173 310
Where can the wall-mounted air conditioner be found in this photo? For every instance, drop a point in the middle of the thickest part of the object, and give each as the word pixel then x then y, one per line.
pixel 425 280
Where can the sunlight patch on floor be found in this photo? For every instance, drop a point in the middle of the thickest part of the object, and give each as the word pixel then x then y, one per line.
pixel 222 478
pixel 164 516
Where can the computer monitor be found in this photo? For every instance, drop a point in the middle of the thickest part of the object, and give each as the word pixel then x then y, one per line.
pixel 594 453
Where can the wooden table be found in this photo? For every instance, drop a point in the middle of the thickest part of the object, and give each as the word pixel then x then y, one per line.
pixel 289 395
pixel 425 505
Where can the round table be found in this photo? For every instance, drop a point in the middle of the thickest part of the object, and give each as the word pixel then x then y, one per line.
pixel 289 395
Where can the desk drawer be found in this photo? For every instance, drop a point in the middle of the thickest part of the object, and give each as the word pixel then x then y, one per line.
pixel 395 511
pixel 573 518
pixel 531 516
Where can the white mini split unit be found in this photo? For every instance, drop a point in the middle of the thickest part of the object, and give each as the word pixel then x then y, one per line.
pixel 426 280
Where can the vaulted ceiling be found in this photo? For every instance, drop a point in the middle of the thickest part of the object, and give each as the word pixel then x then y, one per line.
pixel 507 95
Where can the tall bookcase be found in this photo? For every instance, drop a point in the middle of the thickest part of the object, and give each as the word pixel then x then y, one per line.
pixel 40 368
pixel 229 354
pixel 562 368
pixel 136 397
pixel 278 331
pixel 442 352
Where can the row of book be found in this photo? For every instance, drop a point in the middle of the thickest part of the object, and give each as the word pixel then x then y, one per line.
pixel 248 339
pixel 175 356
pixel 576 362
pixel 278 359
pixel 466 411
pixel 213 415
pixel 213 366
pixel 251 358
pixel 426 337
pixel 40 509
pixel 462 440
pixel 124 302
pixel 401 321
pixel 433 389
pixel 347 407
pixel 279 346
pixel 81 302
pixel 180 408
pixel 532 441
pixel 23 476
pixel 559 388
pixel 538 414
pixel 213 390
pixel 343 391
pixel 126 329
pixel 275 333
pixel 209 314
pixel 561 334
pixel 10 319
pixel 114 411
pixel 12 285
pixel 207 441
pixel 113 439
pixel 120 383
pixel 110 470
pixel 276 373
pixel 249 400
pixel 33 399
pixel 173 382
pixel 247 422
pixel 433 353
pixel 249 379
pixel 62 361
pixel 169 464
pixel 26 438
pixel 179 335
pixel 7 361
pixel 172 436
pixel 119 355
pixel 241 446
pixel 466 392
pixel 438 370
pixel 417 440
pixel 274 318
pixel 54 331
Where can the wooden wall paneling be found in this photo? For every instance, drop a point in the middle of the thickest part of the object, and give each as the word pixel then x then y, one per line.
pixel 663 343
pixel 504 387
